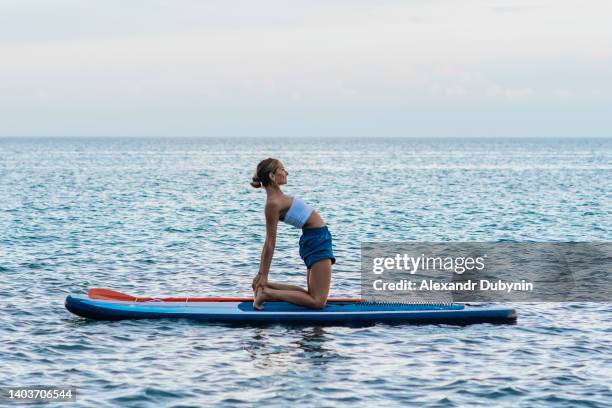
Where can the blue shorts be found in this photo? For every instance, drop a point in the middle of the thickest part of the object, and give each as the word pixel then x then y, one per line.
pixel 315 245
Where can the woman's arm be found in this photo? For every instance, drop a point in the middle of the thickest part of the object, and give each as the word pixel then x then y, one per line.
pixel 272 214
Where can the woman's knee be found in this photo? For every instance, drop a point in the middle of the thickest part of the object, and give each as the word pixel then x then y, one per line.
pixel 319 302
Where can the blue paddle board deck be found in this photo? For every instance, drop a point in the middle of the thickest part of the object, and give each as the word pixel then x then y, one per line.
pixel 335 313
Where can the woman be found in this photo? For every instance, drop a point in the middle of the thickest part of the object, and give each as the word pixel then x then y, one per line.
pixel 315 242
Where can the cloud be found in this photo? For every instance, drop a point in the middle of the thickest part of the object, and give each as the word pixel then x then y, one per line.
pixel 563 94
pixel 512 94
pixel 456 91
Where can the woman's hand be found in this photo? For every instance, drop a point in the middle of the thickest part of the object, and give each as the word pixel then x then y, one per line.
pixel 256 281
pixel 259 280
pixel 263 281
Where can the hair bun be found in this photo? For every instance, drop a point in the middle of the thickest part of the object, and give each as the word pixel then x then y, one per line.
pixel 256 183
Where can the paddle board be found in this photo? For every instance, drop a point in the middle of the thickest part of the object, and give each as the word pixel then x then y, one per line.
pixel 240 311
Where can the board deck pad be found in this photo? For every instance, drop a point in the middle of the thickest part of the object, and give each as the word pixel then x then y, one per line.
pixel 274 307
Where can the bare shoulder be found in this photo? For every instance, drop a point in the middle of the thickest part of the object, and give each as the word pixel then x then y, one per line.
pixel 273 208
pixel 277 204
pixel 273 204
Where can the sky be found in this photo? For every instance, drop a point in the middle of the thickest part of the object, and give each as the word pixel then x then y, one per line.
pixel 336 68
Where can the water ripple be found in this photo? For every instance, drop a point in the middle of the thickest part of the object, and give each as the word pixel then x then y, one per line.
pixel 158 216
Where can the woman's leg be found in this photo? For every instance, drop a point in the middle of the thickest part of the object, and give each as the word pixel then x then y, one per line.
pixel 315 298
pixel 282 286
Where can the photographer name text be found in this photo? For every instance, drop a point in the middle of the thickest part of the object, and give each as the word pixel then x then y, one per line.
pixel 407 285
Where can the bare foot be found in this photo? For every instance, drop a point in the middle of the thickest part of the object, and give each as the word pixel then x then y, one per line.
pixel 260 297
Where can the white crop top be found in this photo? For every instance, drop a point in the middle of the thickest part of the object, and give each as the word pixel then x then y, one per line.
pixel 298 213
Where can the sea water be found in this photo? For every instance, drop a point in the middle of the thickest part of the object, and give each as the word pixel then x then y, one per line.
pixel 178 217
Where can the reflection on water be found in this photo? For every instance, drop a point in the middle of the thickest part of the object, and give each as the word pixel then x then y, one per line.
pixel 295 349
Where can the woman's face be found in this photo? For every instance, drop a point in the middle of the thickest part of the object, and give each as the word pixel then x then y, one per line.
pixel 280 175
